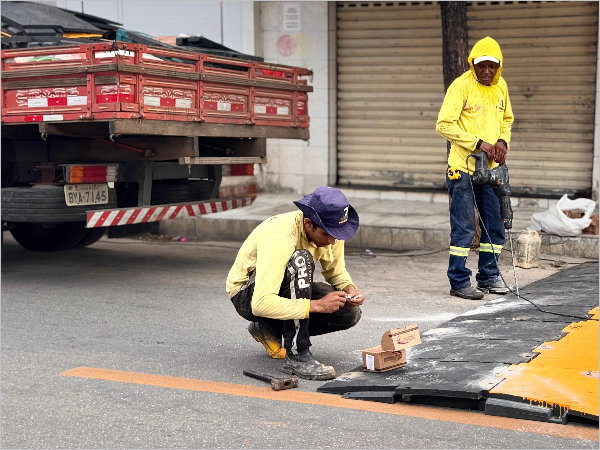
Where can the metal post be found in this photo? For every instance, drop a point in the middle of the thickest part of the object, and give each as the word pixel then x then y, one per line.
pixel 145 183
pixel 596 157
pixel 221 6
pixel 332 81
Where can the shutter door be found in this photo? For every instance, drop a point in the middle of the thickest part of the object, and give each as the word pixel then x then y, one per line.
pixel 550 51
pixel 390 89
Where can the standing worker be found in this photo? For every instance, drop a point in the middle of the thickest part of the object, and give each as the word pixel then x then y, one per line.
pixel 271 282
pixel 476 116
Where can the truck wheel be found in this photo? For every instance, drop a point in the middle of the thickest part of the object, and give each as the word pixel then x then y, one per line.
pixel 48 237
pixel 91 236
pixel 45 204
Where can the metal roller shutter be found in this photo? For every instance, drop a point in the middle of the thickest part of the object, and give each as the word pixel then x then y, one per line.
pixel 390 89
pixel 550 51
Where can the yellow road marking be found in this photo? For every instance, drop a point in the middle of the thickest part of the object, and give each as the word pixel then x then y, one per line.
pixel 401 409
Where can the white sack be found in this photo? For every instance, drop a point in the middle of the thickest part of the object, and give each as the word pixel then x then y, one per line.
pixel 554 221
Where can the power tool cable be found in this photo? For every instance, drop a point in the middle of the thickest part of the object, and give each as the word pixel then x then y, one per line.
pixel 517 294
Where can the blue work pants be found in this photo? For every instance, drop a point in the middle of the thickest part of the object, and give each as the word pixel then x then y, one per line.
pixel 463 228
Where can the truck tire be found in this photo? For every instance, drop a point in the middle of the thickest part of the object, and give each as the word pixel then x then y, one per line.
pixel 91 236
pixel 45 204
pixel 48 237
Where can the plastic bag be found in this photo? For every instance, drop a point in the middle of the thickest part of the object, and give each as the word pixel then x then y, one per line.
pixel 555 221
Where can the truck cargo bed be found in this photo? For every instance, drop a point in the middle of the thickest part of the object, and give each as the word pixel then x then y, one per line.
pixel 116 80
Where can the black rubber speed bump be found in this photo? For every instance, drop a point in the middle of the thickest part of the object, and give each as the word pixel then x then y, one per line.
pixel 518 410
pixel 381 397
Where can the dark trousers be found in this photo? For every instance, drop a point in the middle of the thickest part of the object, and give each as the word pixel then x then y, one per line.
pixel 298 283
pixel 463 228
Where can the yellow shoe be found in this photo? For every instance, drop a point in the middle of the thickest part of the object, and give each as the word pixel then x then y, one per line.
pixel 268 337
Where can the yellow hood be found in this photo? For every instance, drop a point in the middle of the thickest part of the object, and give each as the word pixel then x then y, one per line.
pixel 486 47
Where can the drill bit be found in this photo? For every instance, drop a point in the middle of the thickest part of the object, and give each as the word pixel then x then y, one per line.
pixel 513 261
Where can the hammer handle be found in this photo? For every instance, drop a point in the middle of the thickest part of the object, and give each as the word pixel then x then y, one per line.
pixel 277 384
pixel 258 376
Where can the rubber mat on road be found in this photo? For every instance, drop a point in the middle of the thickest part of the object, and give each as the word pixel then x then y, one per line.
pixel 477 356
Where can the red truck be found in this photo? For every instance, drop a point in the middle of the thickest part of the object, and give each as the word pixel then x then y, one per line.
pixel 118 133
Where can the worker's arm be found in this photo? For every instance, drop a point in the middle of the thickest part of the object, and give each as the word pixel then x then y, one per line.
pixel 447 123
pixel 505 133
pixel 272 255
pixel 356 297
pixel 507 120
pixel 335 273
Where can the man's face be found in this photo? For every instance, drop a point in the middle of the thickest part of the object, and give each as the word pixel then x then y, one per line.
pixel 486 71
pixel 317 235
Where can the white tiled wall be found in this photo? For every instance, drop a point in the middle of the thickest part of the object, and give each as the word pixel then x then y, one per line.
pixel 300 166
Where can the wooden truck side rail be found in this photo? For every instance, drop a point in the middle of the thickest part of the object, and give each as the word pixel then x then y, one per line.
pixel 119 80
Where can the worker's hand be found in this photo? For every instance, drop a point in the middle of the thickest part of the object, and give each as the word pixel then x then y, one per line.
pixel 328 304
pixel 500 152
pixel 356 298
pixel 489 150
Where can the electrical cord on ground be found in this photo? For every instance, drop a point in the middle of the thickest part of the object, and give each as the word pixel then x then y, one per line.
pixel 398 255
pixel 498 267
pixel 158 242
pixel 543 259
pixel 203 243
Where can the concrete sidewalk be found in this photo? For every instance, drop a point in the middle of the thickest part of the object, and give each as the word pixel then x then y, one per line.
pixel 388 220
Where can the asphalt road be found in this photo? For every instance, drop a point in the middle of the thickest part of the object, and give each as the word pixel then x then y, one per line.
pixel 161 308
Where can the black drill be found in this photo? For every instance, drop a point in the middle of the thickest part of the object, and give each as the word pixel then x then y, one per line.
pixel 498 179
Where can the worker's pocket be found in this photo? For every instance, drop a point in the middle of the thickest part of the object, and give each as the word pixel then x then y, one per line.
pixel 458 184
pixel 242 301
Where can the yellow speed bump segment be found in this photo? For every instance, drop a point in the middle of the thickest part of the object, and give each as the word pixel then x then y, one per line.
pixel 564 374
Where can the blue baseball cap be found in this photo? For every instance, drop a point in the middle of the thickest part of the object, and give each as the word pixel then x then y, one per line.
pixel 329 209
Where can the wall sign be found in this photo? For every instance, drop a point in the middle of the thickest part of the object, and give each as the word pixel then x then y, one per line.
pixel 291 17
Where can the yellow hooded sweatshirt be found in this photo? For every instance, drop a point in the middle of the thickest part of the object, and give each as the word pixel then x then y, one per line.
pixel 473 111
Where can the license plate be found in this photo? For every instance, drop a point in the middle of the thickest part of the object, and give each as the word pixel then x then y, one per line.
pixel 86 194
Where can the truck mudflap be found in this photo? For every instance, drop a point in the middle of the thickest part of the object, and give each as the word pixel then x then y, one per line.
pixel 131 216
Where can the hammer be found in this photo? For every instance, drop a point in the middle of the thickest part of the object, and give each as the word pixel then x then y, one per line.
pixel 277 384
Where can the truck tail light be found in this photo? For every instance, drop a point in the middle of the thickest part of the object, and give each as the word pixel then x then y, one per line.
pixel 92 174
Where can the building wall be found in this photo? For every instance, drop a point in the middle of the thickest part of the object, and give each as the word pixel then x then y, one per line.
pixel 258 27
pixel 299 166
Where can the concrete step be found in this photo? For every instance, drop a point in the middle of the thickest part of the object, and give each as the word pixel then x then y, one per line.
pixel 372 237
pixel 384 224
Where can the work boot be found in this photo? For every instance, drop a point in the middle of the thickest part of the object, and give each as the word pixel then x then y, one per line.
pixel 267 336
pixel 306 366
pixel 468 292
pixel 497 287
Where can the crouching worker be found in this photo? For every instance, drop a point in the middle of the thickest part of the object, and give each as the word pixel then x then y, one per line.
pixel 271 282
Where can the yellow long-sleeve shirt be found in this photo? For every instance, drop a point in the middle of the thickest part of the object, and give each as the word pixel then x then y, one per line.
pixel 473 111
pixel 267 251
